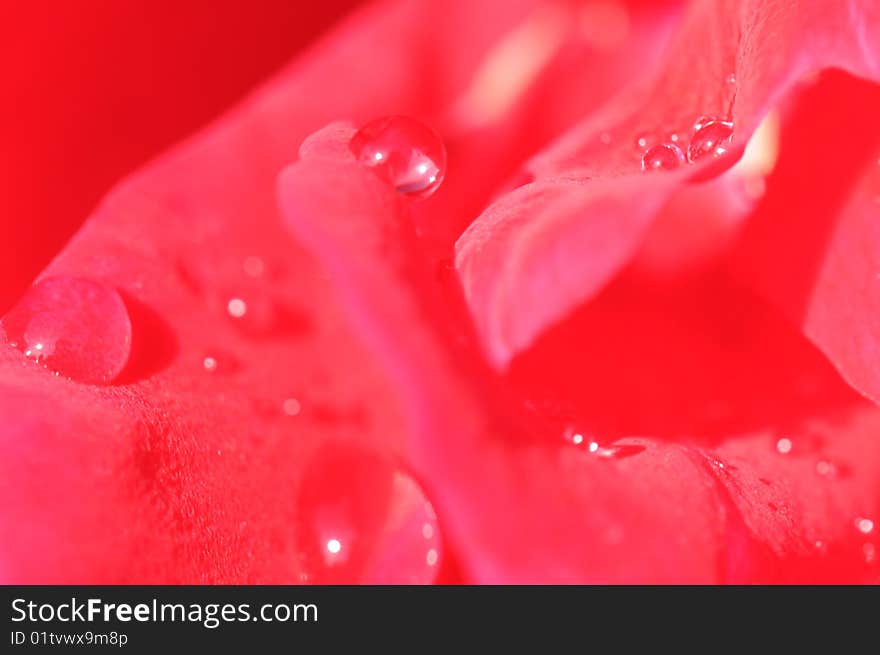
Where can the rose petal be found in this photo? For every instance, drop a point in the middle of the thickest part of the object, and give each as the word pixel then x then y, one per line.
pixel 520 505
pixel 825 191
pixel 497 259
pixel 489 480
pixel 195 431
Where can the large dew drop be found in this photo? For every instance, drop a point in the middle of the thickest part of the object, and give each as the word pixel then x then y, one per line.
pixel 363 520
pixel 75 327
pixel 711 138
pixel 663 156
pixel 408 155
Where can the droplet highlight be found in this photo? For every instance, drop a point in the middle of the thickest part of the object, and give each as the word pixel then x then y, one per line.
pixel 215 361
pixel 257 313
pixel 783 446
pixel 663 156
pixel 407 154
pixel 711 138
pixel 864 525
pixel 593 448
pixel 236 307
pixel 74 326
pixel 700 122
pixel 363 520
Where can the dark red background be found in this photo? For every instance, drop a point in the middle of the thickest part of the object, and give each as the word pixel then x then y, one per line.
pixel 93 88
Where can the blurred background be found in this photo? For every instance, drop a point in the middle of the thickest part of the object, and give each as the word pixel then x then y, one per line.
pixel 93 88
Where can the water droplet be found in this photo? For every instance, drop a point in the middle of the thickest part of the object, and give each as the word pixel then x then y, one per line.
pixel 717 465
pixel 407 154
pixel 711 138
pixel 865 526
pixel 291 407
pixel 210 364
pixel 783 446
pixel 674 137
pixel 870 552
pixel 73 326
pixel 826 469
pixel 663 156
pixel 731 79
pixel 643 141
pixel 363 520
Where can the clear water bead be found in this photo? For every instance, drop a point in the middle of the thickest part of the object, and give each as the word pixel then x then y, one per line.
pixel 663 156
pixel 711 138
pixel 363 520
pixel 73 326
pixel 407 154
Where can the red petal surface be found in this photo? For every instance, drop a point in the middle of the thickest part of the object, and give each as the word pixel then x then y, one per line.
pixel 203 461
pixel 709 497
pixel 99 91
pixel 192 489
pixel 591 179
pixel 492 483
pixel 826 191
pixel 192 467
